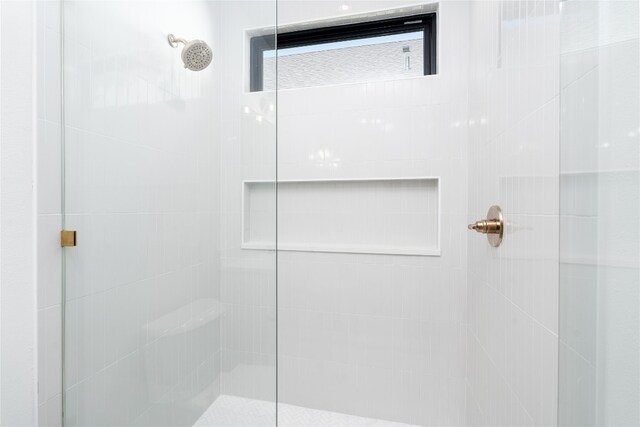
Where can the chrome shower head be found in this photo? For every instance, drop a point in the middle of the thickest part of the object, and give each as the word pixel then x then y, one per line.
pixel 196 54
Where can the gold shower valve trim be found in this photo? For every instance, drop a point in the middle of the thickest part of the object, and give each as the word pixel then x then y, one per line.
pixel 68 238
pixel 493 226
pixel 486 226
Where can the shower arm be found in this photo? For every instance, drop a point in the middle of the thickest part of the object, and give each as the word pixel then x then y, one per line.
pixel 173 40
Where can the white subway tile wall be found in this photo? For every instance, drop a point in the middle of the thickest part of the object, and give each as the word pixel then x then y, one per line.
pixel 378 336
pixel 512 362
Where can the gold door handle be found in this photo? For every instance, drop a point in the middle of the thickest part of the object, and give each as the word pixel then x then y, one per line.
pixel 493 226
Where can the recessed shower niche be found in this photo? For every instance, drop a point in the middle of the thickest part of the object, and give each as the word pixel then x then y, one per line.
pixel 371 216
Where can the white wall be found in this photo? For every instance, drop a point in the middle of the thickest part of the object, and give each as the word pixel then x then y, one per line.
pixel 372 335
pixel 380 336
pixel 600 232
pixel 18 362
pixel 513 162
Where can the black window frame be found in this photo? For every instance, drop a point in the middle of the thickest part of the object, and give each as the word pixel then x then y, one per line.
pixel 353 31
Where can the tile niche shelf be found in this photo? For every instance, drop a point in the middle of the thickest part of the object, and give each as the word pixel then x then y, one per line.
pixel 394 216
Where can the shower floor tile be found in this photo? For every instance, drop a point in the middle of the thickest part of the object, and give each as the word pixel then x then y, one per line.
pixel 238 411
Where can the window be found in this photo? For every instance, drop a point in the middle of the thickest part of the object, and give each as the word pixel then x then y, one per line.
pixel 364 51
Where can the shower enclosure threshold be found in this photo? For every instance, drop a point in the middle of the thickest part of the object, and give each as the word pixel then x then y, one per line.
pixel 239 411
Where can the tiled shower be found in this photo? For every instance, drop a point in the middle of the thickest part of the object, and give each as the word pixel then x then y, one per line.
pixel 297 253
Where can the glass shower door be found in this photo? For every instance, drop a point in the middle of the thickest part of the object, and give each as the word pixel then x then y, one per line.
pixel 154 291
pixel 600 214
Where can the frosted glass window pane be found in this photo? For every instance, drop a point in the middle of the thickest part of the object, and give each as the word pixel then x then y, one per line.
pixel 350 61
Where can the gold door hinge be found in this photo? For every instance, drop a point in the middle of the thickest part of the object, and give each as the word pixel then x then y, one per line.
pixel 68 238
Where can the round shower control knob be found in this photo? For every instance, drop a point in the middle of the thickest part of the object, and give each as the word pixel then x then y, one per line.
pixel 493 226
